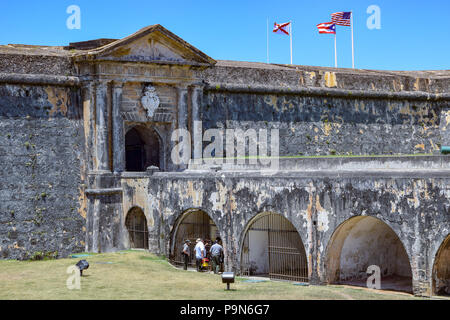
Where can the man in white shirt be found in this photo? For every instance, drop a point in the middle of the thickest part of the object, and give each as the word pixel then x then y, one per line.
pixel 199 253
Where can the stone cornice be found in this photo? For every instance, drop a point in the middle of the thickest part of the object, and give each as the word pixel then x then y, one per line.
pixel 39 79
pixel 328 92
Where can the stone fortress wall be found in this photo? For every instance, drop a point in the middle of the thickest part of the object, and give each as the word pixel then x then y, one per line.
pixel 67 116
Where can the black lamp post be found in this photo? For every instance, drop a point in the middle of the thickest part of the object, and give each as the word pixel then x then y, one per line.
pixel 82 265
pixel 228 277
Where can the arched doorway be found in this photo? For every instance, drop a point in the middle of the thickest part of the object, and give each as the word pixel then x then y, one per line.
pixel 361 242
pixel 272 247
pixel 192 225
pixel 136 224
pixel 142 149
pixel 441 269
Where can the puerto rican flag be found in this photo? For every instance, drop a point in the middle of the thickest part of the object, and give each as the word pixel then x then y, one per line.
pixel 282 28
pixel 327 27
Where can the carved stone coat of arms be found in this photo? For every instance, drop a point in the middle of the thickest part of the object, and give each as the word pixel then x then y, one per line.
pixel 150 100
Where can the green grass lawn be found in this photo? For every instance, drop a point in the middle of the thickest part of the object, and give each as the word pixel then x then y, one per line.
pixel 141 275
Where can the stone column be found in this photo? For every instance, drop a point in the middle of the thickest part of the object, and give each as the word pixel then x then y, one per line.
pixel 196 133
pixel 88 90
pixel 118 134
pixel 444 127
pixel 421 282
pixel 182 107
pixel 182 113
pixel 95 225
pixel 102 126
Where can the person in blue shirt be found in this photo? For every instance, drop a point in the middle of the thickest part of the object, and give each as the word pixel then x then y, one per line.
pixel 216 256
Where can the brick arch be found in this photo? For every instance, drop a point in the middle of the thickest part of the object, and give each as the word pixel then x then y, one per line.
pixel 361 241
pixel 137 227
pixel 177 235
pixel 286 252
pixel 441 269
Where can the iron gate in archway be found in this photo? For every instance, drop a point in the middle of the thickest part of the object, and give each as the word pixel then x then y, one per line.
pixel 136 224
pixel 272 247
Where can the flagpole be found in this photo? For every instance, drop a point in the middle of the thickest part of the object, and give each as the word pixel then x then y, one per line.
pixel 335 51
pixel 267 39
pixel 291 39
pixel 353 48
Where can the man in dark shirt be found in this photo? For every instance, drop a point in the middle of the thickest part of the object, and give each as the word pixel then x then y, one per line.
pixel 219 240
pixel 186 253
pixel 216 256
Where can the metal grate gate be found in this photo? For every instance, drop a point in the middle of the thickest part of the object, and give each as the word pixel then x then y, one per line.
pixel 277 241
pixel 194 224
pixel 136 224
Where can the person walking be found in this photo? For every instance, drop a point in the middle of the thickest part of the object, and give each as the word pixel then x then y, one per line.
pixel 216 256
pixel 186 253
pixel 221 267
pixel 199 253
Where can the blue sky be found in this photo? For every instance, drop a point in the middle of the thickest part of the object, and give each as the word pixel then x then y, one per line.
pixel 414 34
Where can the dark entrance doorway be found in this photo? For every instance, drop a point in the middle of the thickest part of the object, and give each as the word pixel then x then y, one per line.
pixel 142 149
pixel 193 224
pixel 135 153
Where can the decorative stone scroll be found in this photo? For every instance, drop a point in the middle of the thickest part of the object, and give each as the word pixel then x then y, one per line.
pixel 150 100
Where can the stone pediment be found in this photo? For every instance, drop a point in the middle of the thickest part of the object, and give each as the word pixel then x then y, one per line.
pixel 153 44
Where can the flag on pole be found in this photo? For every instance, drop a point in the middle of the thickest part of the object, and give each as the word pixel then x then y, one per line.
pixel 341 18
pixel 327 27
pixel 345 19
pixel 282 28
pixel 330 28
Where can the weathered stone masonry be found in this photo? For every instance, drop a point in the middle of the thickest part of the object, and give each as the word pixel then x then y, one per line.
pixel 65 113
pixel 316 204
pixel 41 148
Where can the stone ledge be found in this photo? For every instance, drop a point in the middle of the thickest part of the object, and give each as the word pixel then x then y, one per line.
pixel 320 174
pixel 103 191
pixel 39 79
pixel 135 175
pixel 313 164
pixel 327 92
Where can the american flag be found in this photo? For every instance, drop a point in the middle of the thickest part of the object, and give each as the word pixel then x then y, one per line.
pixel 327 27
pixel 341 18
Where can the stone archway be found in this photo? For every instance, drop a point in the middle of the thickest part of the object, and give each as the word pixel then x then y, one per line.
pixel 272 247
pixel 193 224
pixel 142 149
pixel 441 269
pixel 136 224
pixel 360 242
